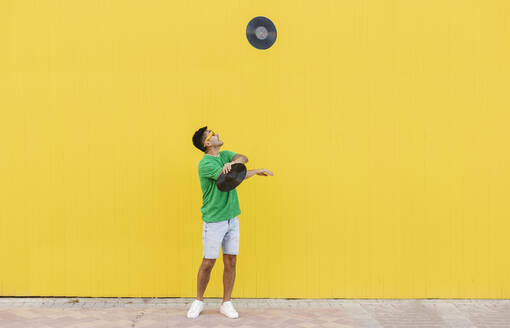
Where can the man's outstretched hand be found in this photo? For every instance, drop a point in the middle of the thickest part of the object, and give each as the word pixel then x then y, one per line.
pixel 264 172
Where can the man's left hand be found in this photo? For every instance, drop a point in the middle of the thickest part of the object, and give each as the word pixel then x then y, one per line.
pixel 227 167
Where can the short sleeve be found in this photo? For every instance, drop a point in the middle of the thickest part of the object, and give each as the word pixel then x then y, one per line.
pixel 228 154
pixel 209 170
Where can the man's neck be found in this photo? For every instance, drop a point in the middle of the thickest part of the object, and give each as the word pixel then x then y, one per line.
pixel 213 151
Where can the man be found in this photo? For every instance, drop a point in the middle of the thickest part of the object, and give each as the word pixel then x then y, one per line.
pixel 219 215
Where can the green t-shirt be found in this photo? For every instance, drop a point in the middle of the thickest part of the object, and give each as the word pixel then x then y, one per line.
pixel 216 205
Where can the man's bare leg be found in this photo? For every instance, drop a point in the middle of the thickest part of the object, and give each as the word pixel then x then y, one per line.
pixel 204 273
pixel 229 275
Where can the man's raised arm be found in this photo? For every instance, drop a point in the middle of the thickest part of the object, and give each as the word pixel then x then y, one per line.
pixel 238 158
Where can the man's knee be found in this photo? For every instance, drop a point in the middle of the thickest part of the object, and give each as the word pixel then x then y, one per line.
pixel 229 260
pixel 208 264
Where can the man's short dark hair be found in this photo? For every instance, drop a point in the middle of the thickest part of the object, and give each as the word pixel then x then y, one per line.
pixel 198 138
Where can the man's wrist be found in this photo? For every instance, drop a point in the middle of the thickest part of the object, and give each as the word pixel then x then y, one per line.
pixel 250 173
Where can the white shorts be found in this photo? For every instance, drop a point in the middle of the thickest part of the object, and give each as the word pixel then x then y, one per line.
pixel 224 234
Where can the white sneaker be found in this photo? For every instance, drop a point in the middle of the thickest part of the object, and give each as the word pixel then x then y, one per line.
pixel 227 309
pixel 195 309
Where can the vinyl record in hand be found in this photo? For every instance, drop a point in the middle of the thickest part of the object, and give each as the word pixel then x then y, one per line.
pixel 233 178
pixel 261 32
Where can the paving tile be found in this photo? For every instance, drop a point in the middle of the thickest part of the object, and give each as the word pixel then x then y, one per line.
pixel 277 313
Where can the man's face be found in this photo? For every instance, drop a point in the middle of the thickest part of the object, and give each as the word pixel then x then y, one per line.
pixel 214 141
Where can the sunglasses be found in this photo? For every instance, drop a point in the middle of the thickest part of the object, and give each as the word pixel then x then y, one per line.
pixel 209 136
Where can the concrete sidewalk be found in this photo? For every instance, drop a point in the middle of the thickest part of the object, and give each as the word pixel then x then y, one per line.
pixel 256 313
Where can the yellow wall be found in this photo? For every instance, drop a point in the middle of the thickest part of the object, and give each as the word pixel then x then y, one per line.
pixel 386 123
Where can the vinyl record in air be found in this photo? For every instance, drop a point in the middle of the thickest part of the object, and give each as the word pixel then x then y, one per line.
pixel 261 32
